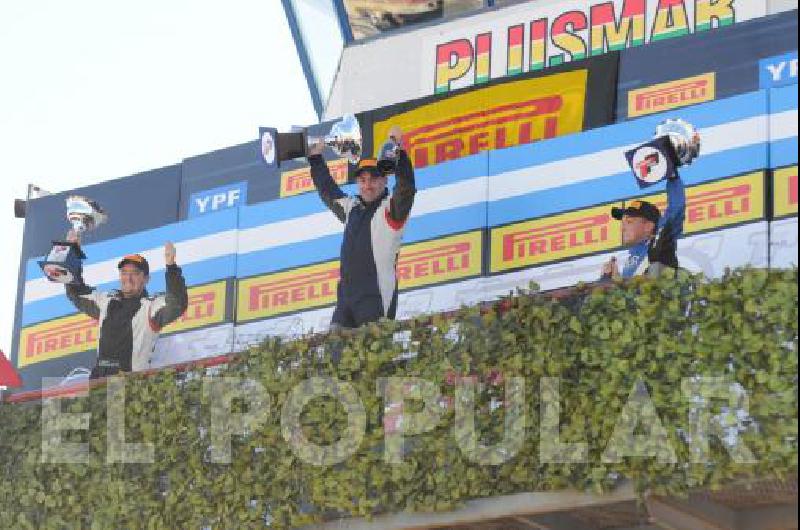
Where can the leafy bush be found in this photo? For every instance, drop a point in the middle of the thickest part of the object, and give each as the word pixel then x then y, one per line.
pixel 604 347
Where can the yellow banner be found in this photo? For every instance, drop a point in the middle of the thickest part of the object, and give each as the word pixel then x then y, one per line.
pixel 554 238
pixel 206 307
pixel 495 117
pixel 299 181
pixel 56 338
pixel 723 203
pixel 785 191
pixel 441 260
pixel 286 292
pixel 672 95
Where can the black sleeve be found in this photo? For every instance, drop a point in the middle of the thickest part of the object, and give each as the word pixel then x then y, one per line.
pixel 177 299
pixel 404 189
pixel 81 297
pixel 327 188
pixel 665 248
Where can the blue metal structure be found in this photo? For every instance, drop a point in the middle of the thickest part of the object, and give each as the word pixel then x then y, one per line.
pixel 302 53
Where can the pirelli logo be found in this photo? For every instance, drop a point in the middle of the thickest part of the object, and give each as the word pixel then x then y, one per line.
pixel 442 260
pixel 672 95
pixel 56 338
pixel 286 292
pixel 784 192
pixel 299 181
pixel 515 113
pixel 554 238
pixel 718 204
pixel 207 305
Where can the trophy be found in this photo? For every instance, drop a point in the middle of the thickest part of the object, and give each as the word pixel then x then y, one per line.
pixel 63 264
pixel 675 143
pixel 344 139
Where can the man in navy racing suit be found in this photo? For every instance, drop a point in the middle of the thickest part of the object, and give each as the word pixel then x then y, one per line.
pixel 652 238
pixel 374 221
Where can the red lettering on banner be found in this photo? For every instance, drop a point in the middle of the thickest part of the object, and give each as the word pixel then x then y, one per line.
pixel 435 261
pixel 81 333
pixel 556 237
pixel 522 123
pixel 200 306
pixel 680 93
pixel 295 289
pixel 717 204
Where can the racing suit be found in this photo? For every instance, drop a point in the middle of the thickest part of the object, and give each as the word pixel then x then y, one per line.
pixel 373 234
pixel 129 326
pixel 651 255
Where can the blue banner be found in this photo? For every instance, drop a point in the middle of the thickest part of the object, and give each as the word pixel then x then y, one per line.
pixel 703 67
pixel 777 71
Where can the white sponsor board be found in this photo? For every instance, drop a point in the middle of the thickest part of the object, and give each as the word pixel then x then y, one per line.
pixel 779 6
pixel 520 38
pixel 289 327
pixel 783 243
pixel 193 345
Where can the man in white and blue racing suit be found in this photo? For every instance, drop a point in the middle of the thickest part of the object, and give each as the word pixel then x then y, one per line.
pixel 374 221
pixel 652 238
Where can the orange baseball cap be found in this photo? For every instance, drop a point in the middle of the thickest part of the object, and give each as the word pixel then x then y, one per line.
pixel 368 164
pixel 137 260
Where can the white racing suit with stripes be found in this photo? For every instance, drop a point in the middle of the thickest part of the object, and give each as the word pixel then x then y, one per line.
pixel 129 326
pixel 373 234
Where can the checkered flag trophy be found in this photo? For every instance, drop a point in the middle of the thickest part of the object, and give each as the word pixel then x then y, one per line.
pixel 676 143
pixel 64 262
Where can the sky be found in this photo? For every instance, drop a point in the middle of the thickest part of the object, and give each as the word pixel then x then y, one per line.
pixel 94 90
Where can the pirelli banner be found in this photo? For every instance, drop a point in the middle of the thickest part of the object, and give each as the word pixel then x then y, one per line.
pixel 501 114
pixel 209 305
pixel 784 192
pixel 709 206
pixel 56 338
pixel 721 204
pixel 555 238
pixel 297 181
pixel 672 95
pixel 422 264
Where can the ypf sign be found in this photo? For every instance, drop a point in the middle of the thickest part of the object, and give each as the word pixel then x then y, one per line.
pixel 216 199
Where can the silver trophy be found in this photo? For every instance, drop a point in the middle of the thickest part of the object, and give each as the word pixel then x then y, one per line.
pixel 63 264
pixel 684 138
pixel 84 214
pixel 344 139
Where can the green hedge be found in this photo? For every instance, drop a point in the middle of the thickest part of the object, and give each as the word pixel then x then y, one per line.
pixel 599 342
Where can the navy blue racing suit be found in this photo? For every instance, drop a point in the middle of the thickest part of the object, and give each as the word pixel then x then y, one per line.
pixel 663 247
pixel 373 233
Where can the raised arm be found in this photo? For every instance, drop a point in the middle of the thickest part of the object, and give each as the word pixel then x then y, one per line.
pixel 673 218
pixel 330 192
pixel 84 298
pixel 404 189
pixel 177 299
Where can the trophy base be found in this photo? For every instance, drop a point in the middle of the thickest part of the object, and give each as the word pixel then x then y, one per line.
pixel 292 145
pixel 63 263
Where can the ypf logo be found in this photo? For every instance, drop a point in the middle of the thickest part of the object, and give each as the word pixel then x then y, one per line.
pixel 216 199
pixel 649 164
